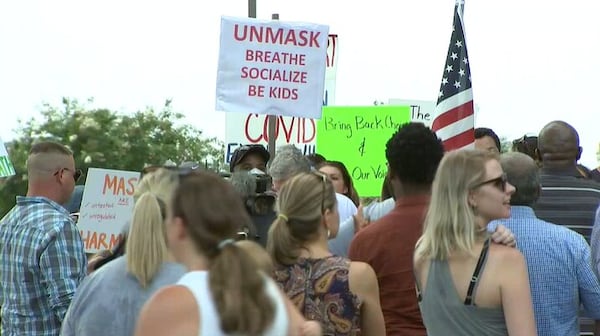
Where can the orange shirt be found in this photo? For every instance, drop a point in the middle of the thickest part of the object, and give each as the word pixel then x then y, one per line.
pixel 388 246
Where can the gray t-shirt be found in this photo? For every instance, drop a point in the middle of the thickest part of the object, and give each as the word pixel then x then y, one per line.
pixel 109 300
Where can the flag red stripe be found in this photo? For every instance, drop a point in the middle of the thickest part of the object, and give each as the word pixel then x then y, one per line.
pixel 460 140
pixel 453 115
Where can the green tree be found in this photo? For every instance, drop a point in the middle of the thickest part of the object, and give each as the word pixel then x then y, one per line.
pixel 505 144
pixel 101 138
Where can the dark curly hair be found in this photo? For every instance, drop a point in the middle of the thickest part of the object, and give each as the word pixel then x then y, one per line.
pixel 414 153
pixel 481 132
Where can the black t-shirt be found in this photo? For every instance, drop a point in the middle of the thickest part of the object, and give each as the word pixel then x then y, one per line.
pixel 262 223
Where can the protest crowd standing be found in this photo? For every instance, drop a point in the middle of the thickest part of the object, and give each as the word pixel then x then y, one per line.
pixel 467 242
pixel 178 268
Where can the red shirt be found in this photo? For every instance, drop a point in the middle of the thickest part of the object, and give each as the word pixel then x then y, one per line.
pixel 388 246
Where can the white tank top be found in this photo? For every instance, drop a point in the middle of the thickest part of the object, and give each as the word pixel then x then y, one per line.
pixel 210 322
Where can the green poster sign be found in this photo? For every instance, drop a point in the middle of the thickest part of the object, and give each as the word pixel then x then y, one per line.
pixel 6 167
pixel 357 137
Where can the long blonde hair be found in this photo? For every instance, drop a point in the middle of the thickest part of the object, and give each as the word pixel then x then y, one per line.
pixel 450 221
pixel 146 248
pixel 301 204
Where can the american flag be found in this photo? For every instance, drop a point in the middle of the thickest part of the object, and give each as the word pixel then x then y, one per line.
pixel 454 120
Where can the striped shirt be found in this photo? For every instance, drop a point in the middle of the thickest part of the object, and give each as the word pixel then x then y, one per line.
pixel 569 200
pixel 42 262
pixel 560 272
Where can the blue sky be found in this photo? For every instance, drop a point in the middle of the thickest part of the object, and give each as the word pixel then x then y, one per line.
pixel 532 61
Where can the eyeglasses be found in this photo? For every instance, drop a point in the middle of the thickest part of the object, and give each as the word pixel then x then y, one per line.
pixel 498 182
pixel 76 173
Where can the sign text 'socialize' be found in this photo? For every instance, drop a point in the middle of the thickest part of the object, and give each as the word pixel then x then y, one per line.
pixel 301 132
pixel 271 67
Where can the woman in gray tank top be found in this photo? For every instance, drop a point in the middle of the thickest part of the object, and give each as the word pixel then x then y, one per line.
pixel 466 284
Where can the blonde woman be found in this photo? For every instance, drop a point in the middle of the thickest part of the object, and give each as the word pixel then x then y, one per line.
pixel 109 300
pixel 469 285
pixel 342 295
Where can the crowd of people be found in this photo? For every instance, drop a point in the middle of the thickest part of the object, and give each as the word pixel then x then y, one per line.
pixel 464 242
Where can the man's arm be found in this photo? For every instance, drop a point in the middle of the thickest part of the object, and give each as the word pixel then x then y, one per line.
pixel 595 243
pixel 62 267
pixel 589 285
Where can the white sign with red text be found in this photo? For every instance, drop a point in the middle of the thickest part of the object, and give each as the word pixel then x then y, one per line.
pixel 252 128
pixel 271 67
pixel 106 205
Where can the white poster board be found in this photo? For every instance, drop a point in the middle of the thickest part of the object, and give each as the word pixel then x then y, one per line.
pixel 106 206
pixel 6 167
pixel 243 129
pixel 271 67
pixel 420 110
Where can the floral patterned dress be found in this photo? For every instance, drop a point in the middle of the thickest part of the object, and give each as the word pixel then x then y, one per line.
pixel 320 289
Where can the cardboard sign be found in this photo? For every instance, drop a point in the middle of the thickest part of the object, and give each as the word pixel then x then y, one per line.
pixel 271 67
pixel 6 167
pixel 106 206
pixel 252 128
pixel 357 137
pixel 420 110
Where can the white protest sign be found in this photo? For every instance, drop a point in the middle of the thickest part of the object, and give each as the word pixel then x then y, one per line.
pixel 6 167
pixel 106 205
pixel 243 129
pixel 420 110
pixel 271 67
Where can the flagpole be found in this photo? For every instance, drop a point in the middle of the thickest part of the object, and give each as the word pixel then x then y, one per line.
pixel 252 9
pixel 461 8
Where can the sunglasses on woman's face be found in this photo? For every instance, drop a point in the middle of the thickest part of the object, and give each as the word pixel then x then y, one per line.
pixel 498 182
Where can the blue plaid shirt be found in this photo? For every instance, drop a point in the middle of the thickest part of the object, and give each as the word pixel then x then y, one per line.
pixel 42 262
pixel 560 272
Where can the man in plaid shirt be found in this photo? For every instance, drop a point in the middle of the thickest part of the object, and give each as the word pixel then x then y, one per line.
pixel 42 259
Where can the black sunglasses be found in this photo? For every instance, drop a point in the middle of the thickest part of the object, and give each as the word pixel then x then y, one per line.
pixel 76 173
pixel 498 182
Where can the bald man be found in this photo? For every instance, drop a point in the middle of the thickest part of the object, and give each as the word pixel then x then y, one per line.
pixel 567 198
pixel 42 259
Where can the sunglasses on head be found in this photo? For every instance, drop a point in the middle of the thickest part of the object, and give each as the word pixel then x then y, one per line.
pixel 498 182
pixel 183 170
pixel 323 178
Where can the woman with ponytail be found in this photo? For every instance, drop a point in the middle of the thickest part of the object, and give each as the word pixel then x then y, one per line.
pixel 223 292
pixel 109 300
pixel 342 295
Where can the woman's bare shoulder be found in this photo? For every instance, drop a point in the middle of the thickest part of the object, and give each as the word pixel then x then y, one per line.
pixel 505 255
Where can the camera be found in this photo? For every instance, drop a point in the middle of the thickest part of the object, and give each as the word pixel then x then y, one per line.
pixel 255 188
